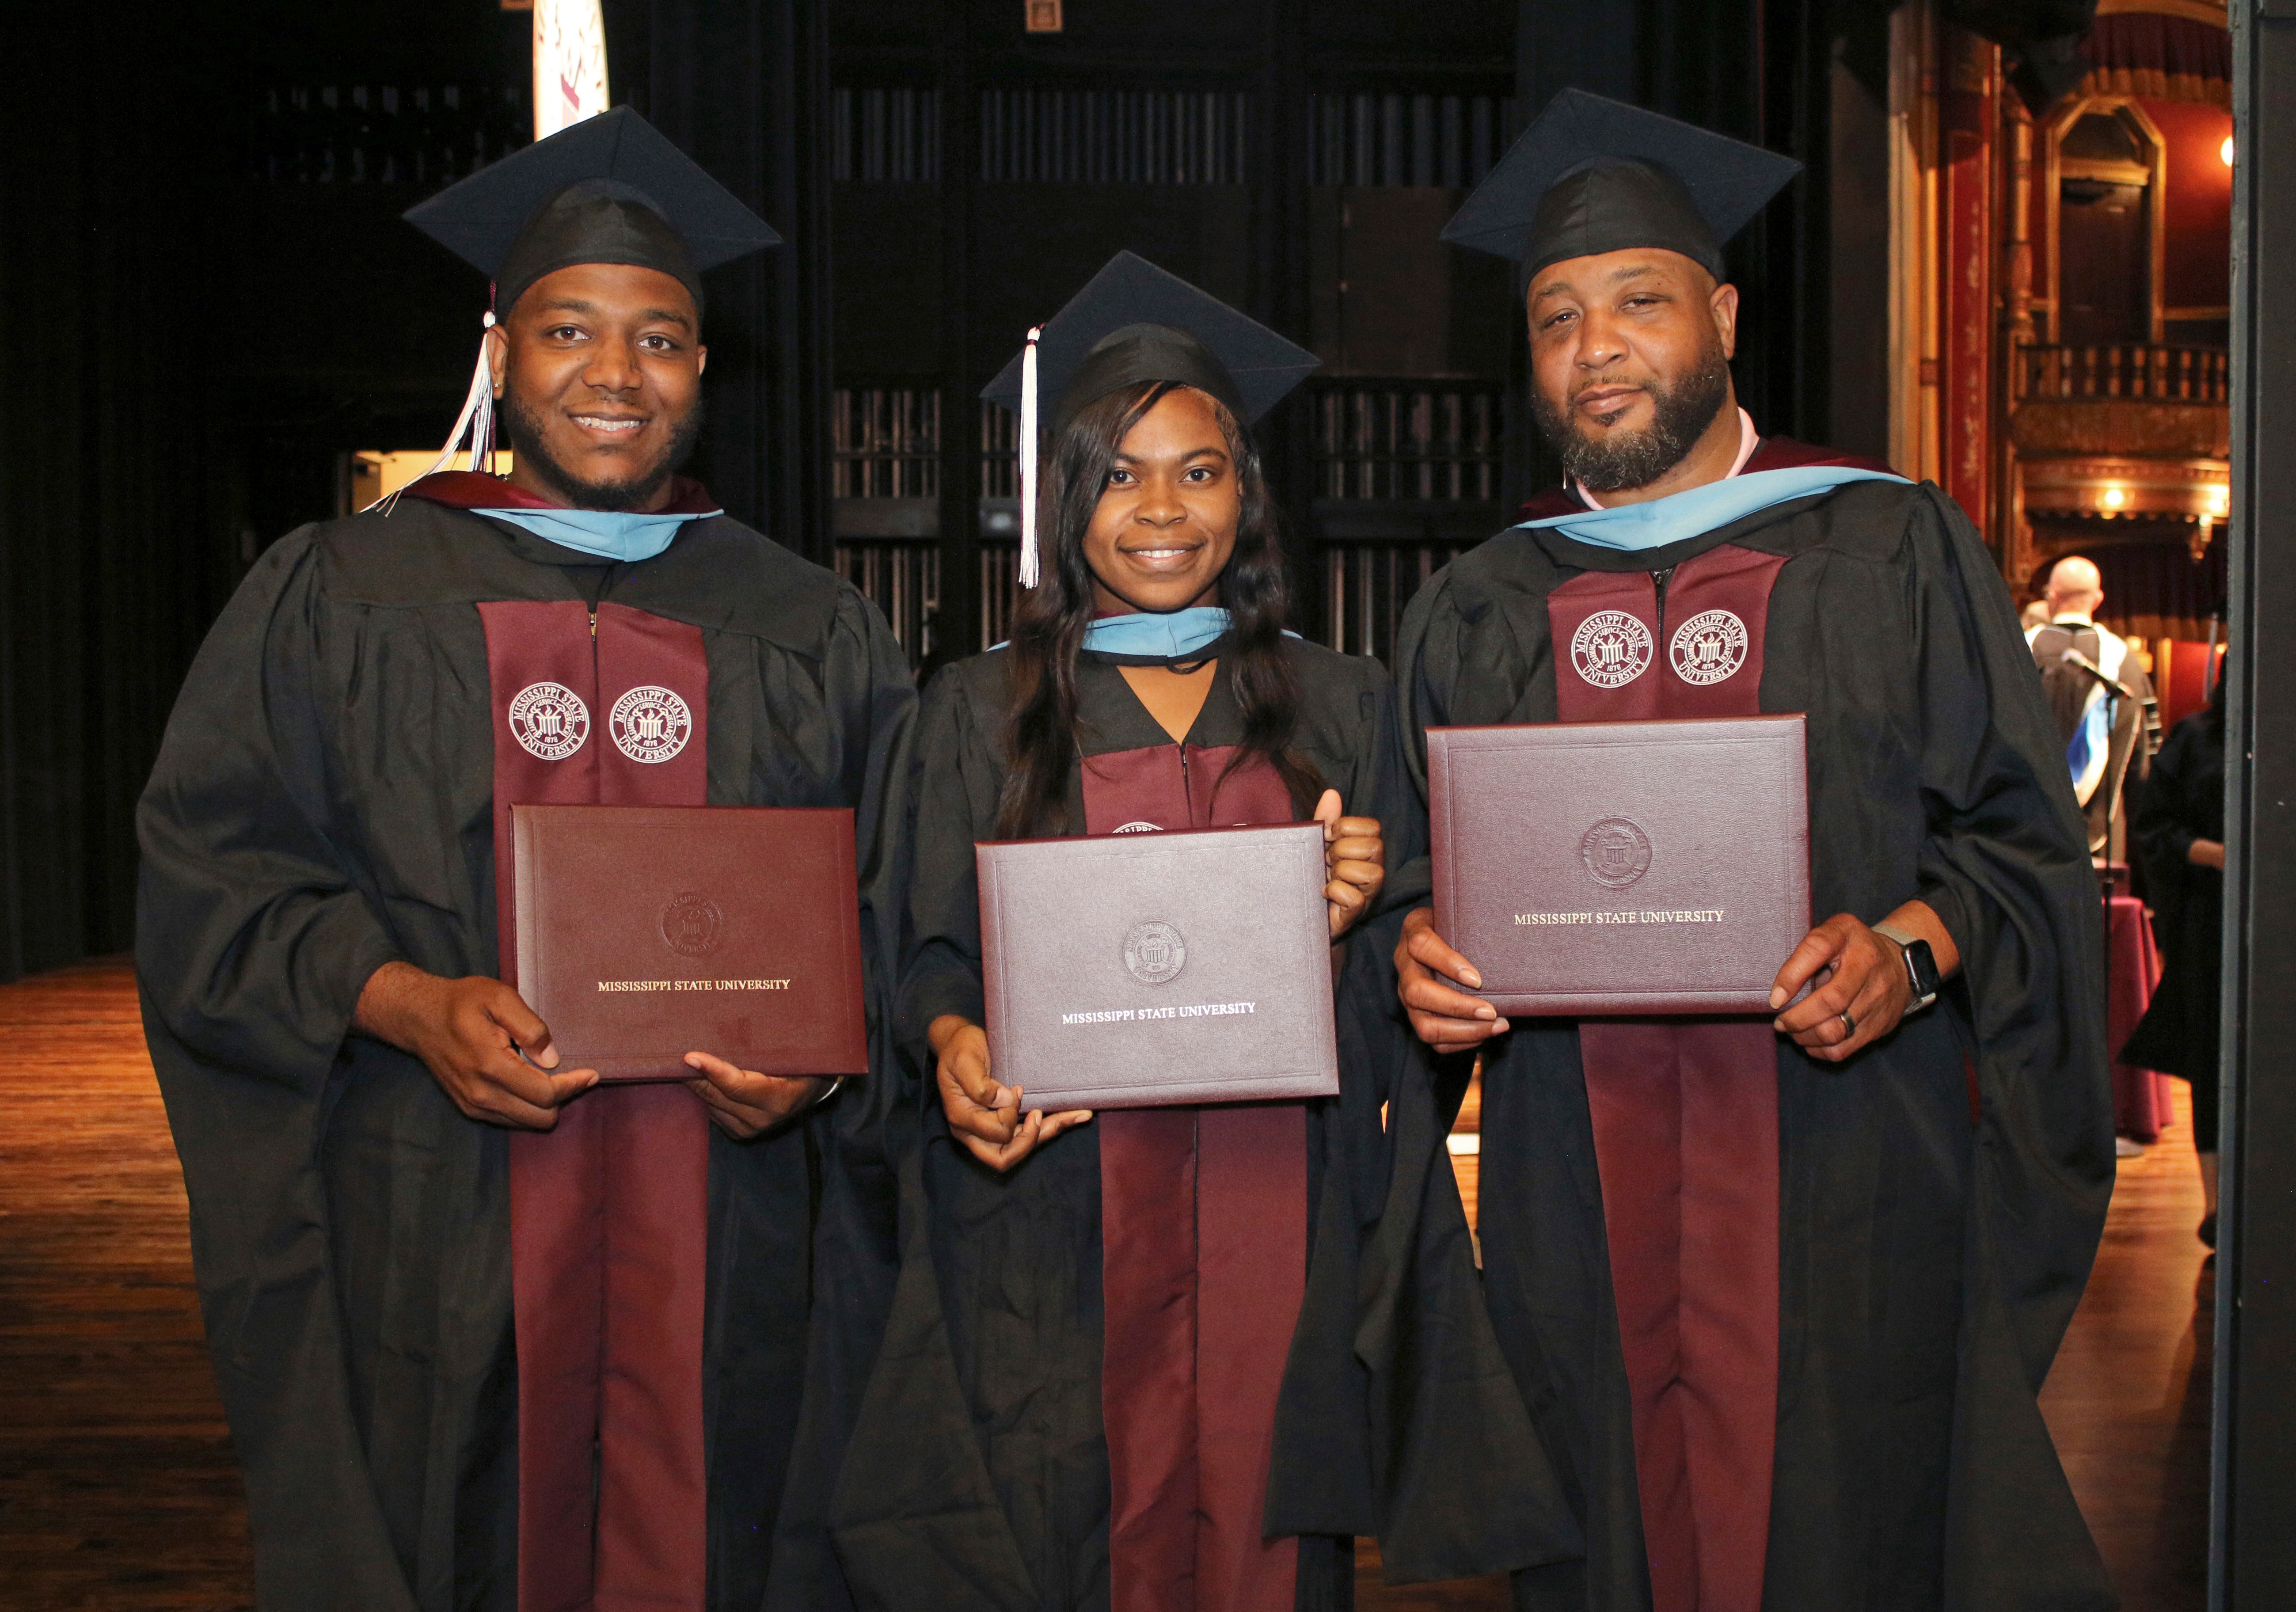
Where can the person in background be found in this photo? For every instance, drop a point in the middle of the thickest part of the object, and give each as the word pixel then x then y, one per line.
pixel 2105 729
pixel 2180 828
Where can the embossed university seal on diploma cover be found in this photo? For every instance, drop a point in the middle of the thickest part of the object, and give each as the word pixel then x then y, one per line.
pixel 645 933
pixel 1591 868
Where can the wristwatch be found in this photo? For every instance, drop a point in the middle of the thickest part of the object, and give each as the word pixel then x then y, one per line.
pixel 1921 965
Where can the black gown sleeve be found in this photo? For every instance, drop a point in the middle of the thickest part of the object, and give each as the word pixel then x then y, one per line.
pixel 1462 1483
pixel 2164 837
pixel 2006 866
pixel 866 687
pixel 253 939
pixel 955 779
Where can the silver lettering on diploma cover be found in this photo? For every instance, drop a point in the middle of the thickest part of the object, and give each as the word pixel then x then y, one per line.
pixel 549 721
pixel 1616 853
pixel 691 924
pixel 1708 648
pixel 651 724
pixel 1610 648
pixel 1154 953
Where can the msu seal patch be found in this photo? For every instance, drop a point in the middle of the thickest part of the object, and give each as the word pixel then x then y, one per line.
pixel 650 724
pixel 1616 853
pixel 1154 953
pixel 1708 648
pixel 549 721
pixel 1610 648
pixel 691 924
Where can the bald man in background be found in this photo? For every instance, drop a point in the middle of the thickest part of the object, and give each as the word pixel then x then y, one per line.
pixel 2101 725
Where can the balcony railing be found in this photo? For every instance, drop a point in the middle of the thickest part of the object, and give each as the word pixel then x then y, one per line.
pixel 885 443
pixel 901 576
pixel 1414 439
pixel 2142 372
pixel 424 134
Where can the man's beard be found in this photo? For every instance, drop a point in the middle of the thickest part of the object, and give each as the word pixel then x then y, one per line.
pixel 522 430
pixel 1618 460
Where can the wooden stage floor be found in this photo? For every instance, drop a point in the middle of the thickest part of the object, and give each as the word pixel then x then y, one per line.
pixel 118 1492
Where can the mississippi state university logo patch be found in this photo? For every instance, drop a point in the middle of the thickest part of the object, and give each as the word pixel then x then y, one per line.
pixel 1707 647
pixel 1610 648
pixel 691 924
pixel 650 724
pixel 1616 853
pixel 549 721
pixel 1154 953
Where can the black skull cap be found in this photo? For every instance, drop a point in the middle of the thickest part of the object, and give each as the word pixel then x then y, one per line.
pixel 1133 322
pixel 1592 175
pixel 610 189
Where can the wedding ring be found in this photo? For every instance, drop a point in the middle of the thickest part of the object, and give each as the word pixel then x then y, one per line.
pixel 1848 1025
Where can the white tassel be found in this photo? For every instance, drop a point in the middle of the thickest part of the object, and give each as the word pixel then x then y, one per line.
pixel 477 418
pixel 1029 459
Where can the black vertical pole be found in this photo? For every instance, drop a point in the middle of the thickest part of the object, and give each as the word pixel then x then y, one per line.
pixel 1279 290
pixel 2252 1543
pixel 742 87
pixel 957 628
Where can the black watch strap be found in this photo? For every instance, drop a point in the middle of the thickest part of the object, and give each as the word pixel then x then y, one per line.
pixel 1921 965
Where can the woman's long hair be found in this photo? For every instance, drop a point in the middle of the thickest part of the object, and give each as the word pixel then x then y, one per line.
pixel 1048 629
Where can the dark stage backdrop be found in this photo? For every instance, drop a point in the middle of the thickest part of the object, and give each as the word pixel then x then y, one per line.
pixel 207 300
pixel 111 556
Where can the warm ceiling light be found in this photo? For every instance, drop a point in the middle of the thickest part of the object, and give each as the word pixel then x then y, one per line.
pixel 2114 497
pixel 2225 150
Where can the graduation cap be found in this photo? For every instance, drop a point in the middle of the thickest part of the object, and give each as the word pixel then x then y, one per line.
pixel 1592 175
pixel 1133 322
pixel 610 189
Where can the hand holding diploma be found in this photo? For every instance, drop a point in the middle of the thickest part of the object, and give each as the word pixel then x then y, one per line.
pixel 744 1103
pixel 1862 991
pixel 1355 856
pixel 488 1051
pixel 1426 970
pixel 983 1114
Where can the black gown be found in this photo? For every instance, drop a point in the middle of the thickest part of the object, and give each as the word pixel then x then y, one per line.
pixel 322 804
pixel 1929 1266
pixel 2183 801
pixel 978 1475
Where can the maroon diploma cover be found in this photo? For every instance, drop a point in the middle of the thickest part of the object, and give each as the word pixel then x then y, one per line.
pixel 646 932
pixel 1643 868
pixel 1141 970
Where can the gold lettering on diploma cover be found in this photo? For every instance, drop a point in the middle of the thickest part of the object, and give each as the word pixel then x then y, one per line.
pixel 1685 915
pixel 694 984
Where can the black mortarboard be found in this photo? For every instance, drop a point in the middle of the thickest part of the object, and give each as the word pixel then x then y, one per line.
pixel 1592 175
pixel 610 189
pixel 1134 323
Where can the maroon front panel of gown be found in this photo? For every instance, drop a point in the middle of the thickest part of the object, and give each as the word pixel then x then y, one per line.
pixel 1686 1119
pixel 1203 1237
pixel 610 1211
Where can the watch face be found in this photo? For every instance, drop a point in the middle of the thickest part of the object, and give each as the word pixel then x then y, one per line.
pixel 1921 966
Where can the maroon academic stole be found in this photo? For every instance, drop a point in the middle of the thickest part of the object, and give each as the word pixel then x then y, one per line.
pixel 1686 1118
pixel 1203 1238
pixel 609 1212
